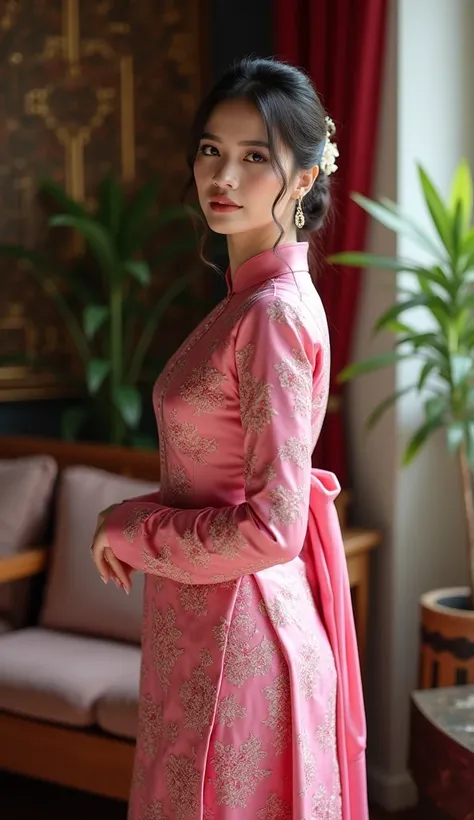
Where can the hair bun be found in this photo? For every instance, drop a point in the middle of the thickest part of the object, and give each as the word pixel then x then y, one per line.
pixel 316 204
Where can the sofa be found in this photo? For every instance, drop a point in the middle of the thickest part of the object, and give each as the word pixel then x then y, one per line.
pixel 70 647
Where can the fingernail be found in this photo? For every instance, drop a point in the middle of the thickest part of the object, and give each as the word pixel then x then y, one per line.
pixel 117 583
pixel 103 579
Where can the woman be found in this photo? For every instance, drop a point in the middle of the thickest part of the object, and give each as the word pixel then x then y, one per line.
pixel 250 701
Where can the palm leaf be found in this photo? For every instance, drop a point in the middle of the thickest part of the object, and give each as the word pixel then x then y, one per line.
pixel 437 210
pixel 66 203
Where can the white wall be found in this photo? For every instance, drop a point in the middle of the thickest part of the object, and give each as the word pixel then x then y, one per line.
pixel 427 117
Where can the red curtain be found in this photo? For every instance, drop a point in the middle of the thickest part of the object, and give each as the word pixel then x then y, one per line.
pixel 340 44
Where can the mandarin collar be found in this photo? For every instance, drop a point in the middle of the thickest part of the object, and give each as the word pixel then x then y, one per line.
pixel 292 256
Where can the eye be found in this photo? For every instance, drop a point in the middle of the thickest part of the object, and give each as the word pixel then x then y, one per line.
pixel 256 157
pixel 208 150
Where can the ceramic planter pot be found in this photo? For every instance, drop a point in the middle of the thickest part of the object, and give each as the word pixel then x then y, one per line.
pixel 447 638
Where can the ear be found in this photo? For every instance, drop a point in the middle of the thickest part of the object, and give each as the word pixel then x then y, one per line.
pixel 305 181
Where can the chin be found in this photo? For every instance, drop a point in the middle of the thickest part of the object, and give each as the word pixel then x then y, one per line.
pixel 223 225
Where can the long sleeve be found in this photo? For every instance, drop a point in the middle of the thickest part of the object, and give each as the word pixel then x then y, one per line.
pixel 276 361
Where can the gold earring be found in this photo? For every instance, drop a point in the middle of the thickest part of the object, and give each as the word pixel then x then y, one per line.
pixel 299 215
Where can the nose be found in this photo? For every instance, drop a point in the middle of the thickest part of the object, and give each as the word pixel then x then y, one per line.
pixel 225 176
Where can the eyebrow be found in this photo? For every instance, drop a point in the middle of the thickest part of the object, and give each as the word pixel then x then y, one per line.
pixel 260 143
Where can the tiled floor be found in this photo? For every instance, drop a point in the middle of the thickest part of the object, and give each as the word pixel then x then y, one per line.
pixel 22 799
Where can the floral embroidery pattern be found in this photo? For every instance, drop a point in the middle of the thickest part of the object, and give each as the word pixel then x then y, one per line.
pixel 219 633
pixel 286 314
pixel 186 439
pixel 242 660
pixel 250 465
pixel 164 635
pixel 229 710
pixel 198 696
pixel 250 469
pixel 256 409
pixel 139 774
pixel 225 534
pixel 193 598
pixel 296 451
pixel 137 517
pixel 154 811
pixel 194 549
pixel 243 601
pixel 286 505
pixel 279 712
pixel 203 389
pixel 326 806
pixel 309 669
pixel 285 608
pixel 183 783
pixel 326 731
pixel 179 485
pixel 275 809
pixel 308 761
pixel 150 724
pixel 172 732
pixel 163 565
pixel 238 771
pixel 297 376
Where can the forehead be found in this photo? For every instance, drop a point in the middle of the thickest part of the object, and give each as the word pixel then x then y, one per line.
pixel 237 120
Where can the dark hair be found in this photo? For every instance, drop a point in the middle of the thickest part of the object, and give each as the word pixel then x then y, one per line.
pixel 292 111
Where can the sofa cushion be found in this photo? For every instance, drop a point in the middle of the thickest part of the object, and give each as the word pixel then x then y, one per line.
pixel 58 678
pixel 26 489
pixel 117 710
pixel 76 600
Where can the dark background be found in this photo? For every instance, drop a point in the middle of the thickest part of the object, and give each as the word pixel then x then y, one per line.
pixel 237 28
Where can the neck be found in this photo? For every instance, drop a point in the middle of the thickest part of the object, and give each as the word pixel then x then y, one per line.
pixel 243 246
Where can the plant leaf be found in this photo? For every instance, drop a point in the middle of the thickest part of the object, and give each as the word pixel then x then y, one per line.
pixel 461 368
pixel 94 317
pixel 426 370
pixel 419 300
pixel 461 191
pixel 97 238
pixel 455 433
pixel 97 371
pixel 384 405
pixel 184 244
pixel 139 269
pixel 72 420
pixel 66 203
pixel 155 316
pixel 389 214
pixel 111 205
pixel 128 402
pixel 435 407
pixel 419 438
pixel 369 365
pixel 136 220
pixel 143 442
pixel 10 251
pixel 437 210
pixel 171 214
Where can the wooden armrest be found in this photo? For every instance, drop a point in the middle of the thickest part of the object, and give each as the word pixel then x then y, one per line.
pixel 23 565
pixel 357 540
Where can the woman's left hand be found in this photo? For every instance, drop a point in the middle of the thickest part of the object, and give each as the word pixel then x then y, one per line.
pixel 108 565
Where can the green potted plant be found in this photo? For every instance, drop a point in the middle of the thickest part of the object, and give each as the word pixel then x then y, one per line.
pixel 444 351
pixel 100 296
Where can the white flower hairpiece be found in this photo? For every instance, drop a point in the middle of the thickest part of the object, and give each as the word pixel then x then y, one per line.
pixel 330 152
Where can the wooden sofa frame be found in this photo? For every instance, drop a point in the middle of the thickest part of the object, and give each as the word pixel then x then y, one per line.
pixel 88 759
